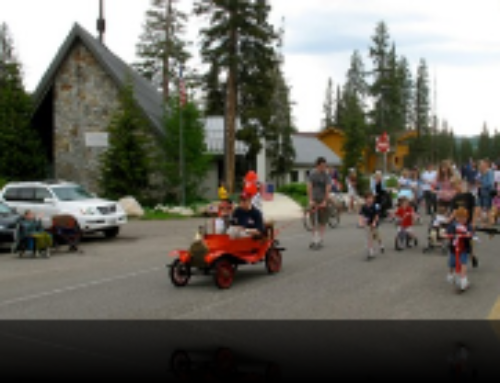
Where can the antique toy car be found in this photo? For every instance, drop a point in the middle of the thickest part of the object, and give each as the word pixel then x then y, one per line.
pixel 221 254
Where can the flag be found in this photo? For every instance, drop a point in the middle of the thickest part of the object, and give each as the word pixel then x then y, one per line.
pixel 182 90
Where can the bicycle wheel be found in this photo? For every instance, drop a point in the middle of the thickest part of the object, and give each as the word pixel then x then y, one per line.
pixel 308 220
pixel 333 217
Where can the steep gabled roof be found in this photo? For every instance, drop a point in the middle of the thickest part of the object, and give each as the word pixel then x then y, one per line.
pixel 308 149
pixel 147 97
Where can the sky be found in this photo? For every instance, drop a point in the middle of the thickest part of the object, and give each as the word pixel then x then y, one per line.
pixel 459 39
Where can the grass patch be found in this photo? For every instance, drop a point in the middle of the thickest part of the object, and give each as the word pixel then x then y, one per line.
pixel 156 215
pixel 297 192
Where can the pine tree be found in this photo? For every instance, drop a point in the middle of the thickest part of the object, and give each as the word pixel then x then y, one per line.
pixel 406 88
pixel 466 149
pixel 241 41
pixel 161 47
pixel 128 163
pixel 354 126
pixel 328 107
pixel 380 87
pixel 484 144
pixel 339 108
pixel 422 112
pixel 281 151
pixel 214 89
pixel 196 160
pixel 495 146
pixel 21 152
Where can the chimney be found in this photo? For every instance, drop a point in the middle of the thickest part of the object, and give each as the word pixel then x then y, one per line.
pixel 101 23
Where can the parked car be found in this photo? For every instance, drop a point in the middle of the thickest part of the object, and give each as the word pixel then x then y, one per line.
pixel 8 223
pixel 59 197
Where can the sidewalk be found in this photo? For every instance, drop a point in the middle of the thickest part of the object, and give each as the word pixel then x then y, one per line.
pixel 281 207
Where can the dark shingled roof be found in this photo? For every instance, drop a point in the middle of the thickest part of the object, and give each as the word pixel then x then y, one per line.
pixel 147 97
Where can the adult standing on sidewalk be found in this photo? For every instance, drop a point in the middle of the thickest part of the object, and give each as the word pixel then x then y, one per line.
pixel 429 177
pixel 486 188
pixel 352 185
pixel 318 190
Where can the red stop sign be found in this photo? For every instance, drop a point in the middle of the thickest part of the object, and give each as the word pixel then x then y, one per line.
pixel 383 144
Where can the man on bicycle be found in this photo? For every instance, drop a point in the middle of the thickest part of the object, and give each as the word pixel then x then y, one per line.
pixel 319 186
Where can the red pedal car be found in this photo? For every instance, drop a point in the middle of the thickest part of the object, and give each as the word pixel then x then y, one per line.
pixel 220 255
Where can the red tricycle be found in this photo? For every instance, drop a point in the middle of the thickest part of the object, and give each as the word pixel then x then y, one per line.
pixel 220 255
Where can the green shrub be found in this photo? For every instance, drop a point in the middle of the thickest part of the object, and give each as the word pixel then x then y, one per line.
pixel 391 183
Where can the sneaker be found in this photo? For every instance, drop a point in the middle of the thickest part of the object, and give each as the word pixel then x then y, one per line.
pixel 450 278
pixel 382 249
pixel 464 284
pixel 475 261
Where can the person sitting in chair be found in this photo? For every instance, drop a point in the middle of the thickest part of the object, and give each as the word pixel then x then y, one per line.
pixel 33 234
pixel 247 219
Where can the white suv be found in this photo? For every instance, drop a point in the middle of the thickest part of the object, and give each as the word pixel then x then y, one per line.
pixel 58 197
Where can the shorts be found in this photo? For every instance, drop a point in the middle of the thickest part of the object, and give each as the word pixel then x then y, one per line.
pixel 485 201
pixel 464 258
pixel 322 215
pixel 352 192
pixel 408 229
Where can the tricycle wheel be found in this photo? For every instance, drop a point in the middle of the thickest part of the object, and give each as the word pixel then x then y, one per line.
pixel 180 273
pixel 273 261
pixel 224 273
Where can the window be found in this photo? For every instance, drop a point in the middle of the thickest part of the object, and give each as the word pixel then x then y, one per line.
pixel 72 193
pixel 41 194
pixel 12 194
pixel 19 194
pixel 294 176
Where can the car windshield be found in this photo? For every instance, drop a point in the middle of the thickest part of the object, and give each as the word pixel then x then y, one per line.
pixel 72 193
pixel 4 209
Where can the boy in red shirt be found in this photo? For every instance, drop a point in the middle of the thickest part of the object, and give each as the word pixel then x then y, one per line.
pixel 406 215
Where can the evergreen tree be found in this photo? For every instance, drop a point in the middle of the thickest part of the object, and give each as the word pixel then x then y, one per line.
pixel 394 109
pixel 196 160
pixel 128 163
pixel 354 126
pixel 484 144
pixel 21 152
pixel 161 48
pixel 495 146
pixel 214 89
pixel 329 107
pixel 338 109
pixel 380 87
pixel 407 93
pixel 422 112
pixel 281 151
pixel 356 81
pixel 466 149
pixel 241 41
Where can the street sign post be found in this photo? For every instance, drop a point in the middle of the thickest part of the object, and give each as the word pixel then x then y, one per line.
pixel 383 145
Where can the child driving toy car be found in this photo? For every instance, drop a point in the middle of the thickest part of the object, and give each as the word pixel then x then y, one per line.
pixel 246 220
pixel 406 216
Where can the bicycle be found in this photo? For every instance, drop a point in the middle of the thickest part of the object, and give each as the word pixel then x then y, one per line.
pixel 403 237
pixel 310 216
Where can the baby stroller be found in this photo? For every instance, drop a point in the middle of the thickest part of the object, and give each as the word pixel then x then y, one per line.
pixel 436 238
pixel 26 239
pixel 66 231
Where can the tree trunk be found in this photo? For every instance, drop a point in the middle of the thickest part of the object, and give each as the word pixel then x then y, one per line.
pixel 231 110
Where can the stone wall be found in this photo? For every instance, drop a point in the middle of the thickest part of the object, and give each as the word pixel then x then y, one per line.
pixel 85 98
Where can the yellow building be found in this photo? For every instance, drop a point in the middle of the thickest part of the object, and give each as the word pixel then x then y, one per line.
pixel 334 139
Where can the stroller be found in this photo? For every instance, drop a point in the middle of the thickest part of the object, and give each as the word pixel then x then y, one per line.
pixel 66 231
pixel 436 238
pixel 30 237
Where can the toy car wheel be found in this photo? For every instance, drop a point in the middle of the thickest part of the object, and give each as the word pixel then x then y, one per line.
pixel 273 261
pixel 224 273
pixel 180 273
pixel 180 364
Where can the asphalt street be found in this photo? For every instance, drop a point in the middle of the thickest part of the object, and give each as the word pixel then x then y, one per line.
pixel 126 278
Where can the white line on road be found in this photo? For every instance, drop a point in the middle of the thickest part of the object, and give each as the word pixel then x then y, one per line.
pixel 78 287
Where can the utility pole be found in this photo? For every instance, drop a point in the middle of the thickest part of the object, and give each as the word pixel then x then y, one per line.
pixel 101 23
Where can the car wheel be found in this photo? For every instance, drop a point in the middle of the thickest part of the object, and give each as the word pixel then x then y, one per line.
pixel 112 233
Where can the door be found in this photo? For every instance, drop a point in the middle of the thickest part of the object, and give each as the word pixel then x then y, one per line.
pixel 46 209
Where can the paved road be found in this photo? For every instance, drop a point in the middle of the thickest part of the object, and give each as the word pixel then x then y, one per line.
pixel 126 278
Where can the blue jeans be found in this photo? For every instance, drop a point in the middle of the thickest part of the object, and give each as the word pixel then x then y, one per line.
pixel 464 257
pixel 485 199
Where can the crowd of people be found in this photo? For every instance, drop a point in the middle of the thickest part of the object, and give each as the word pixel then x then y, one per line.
pixel 458 201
